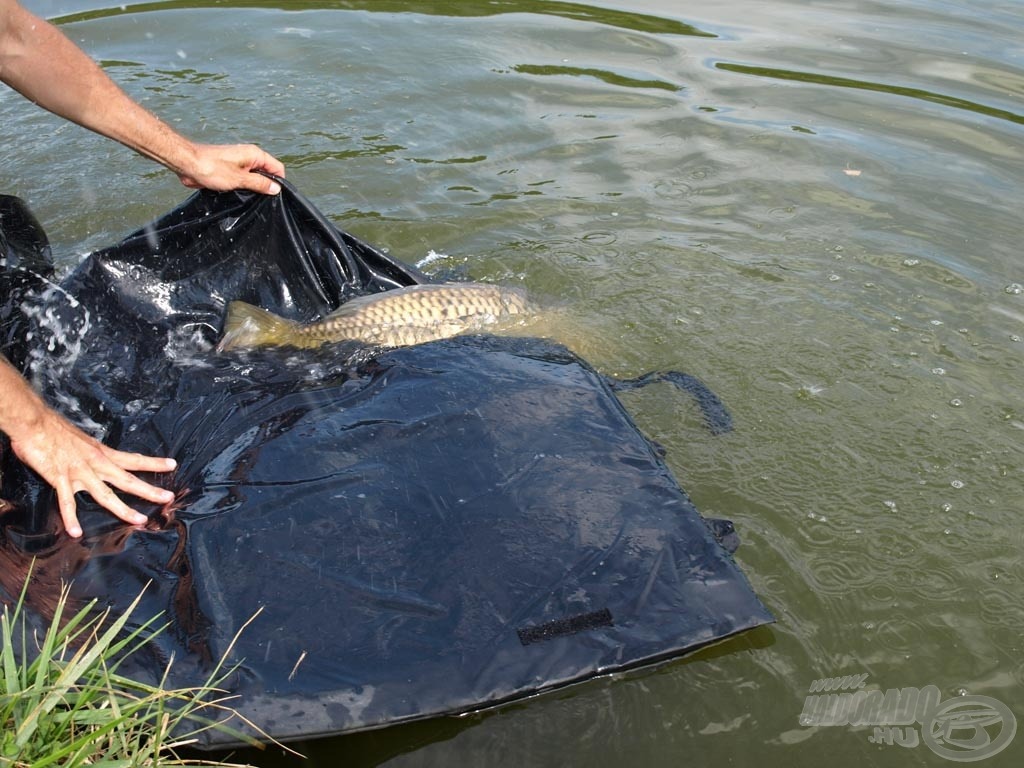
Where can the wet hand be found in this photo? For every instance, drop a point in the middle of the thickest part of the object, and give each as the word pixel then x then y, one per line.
pixel 72 461
pixel 223 167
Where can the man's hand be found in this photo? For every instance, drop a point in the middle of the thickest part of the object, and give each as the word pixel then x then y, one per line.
pixel 72 461
pixel 223 167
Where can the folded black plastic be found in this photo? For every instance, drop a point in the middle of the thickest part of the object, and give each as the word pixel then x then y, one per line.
pixel 428 530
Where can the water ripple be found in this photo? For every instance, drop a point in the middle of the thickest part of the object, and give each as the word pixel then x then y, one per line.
pixel 838 572
pixel 865 85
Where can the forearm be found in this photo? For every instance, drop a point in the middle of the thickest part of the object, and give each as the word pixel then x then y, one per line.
pixel 21 409
pixel 39 62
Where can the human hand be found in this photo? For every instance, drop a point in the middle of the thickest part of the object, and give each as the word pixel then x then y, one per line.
pixel 223 167
pixel 72 461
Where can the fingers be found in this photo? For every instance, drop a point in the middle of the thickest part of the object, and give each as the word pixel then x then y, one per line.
pixel 262 184
pixel 72 461
pixel 66 506
pixel 266 162
pixel 249 159
pixel 129 483
pixel 102 494
pixel 136 462
pixel 222 167
pixel 98 485
pixel 270 164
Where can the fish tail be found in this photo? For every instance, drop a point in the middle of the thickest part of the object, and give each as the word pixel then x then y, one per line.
pixel 249 326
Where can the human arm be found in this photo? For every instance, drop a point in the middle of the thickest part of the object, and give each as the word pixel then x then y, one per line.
pixel 69 459
pixel 43 65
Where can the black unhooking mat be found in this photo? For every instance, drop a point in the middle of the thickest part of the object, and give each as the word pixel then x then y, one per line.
pixel 428 530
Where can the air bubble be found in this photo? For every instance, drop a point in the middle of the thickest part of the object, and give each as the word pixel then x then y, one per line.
pixel 957 483
pixel 1015 289
pixel 956 402
pixel 911 262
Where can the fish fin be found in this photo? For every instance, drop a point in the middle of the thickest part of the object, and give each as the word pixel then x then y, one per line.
pixel 250 326
pixel 357 304
pixel 352 306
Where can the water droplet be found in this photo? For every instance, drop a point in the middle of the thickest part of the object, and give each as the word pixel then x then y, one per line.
pixel 911 262
pixel 947 507
pixel 890 504
pixel 957 483
pixel 956 402
pixel 939 371
pixel 1015 289
pixel 834 278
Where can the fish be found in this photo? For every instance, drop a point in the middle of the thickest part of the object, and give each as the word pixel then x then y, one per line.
pixel 399 317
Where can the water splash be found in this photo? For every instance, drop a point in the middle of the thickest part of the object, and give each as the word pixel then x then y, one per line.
pixel 59 324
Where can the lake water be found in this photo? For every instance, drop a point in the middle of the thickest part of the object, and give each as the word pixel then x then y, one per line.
pixel 813 206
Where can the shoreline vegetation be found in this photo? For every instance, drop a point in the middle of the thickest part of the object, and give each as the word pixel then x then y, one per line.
pixel 64 703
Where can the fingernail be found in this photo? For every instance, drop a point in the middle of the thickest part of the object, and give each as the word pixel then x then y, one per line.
pixel 140 520
pixel 171 463
pixel 274 188
pixel 74 532
pixel 167 496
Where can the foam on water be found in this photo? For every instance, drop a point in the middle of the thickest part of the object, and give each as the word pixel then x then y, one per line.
pixel 188 346
pixel 430 258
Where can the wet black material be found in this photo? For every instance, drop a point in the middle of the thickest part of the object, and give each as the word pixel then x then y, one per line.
pixel 428 530
pixel 716 416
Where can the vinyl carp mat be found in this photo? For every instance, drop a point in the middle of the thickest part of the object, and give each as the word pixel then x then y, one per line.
pixel 422 531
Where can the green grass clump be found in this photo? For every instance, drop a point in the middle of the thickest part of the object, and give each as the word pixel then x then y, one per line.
pixel 69 707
